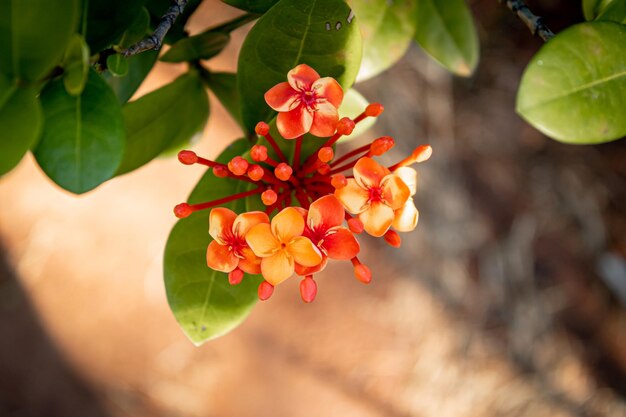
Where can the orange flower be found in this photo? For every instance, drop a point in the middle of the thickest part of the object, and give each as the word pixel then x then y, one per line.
pixel 281 245
pixel 374 193
pixel 405 218
pixel 306 103
pixel 229 249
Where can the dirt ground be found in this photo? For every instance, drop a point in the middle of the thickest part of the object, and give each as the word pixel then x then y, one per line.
pixel 507 300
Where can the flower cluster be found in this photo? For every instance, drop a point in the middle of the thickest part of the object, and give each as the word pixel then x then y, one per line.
pixel 333 205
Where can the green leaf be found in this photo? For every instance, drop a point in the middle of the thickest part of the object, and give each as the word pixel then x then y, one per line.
pixel 447 33
pixel 138 68
pixel 76 65
pixel 137 29
pixel 83 138
pixel 590 8
pixel 34 35
pixel 293 32
pixel 254 6
pixel 203 302
pixel 224 86
pixel 203 46
pixel 613 10
pixel 354 104
pixel 387 29
pixel 108 20
pixel 20 122
pixel 163 118
pixel 117 65
pixel 574 89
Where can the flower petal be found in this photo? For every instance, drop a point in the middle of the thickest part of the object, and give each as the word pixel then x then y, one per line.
pixel 262 241
pixel 377 219
pixel 329 89
pixel 409 176
pixel 302 77
pixel 246 221
pixel 282 97
pixel 310 270
pixel 341 244
pixel 325 118
pixel 294 123
pixel 250 263
pixel 353 197
pixel 369 173
pixel 395 191
pixel 220 257
pixel 405 219
pixel 221 222
pixel 325 212
pixel 287 224
pixel 278 267
pixel 304 251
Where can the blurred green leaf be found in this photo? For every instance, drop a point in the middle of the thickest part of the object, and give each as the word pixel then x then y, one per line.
pixel 447 33
pixel 224 86
pixel 83 138
pixel 291 33
pixel 574 89
pixel 137 29
pixel 590 8
pixel 34 35
pixel 354 104
pixel 138 68
pixel 76 65
pixel 108 20
pixel 613 10
pixel 387 29
pixel 203 46
pixel 203 302
pixel 163 118
pixel 117 65
pixel 20 122
pixel 254 6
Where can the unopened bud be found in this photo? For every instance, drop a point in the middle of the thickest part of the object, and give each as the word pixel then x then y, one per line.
pixel 308 289
pixel 323 169
pixel 262 128
pixel 187 157
pixel 269 197
pixel 220 171
pixel 283 171
pixel 381 145
pixel 338 181
pixel 374 110
pixel 182 210
pixel 235 276
pixel 255 172
pixel 238 165
pixel 326 154
pixel 422 153
pixel 355 226
pixel 363 273
pixel 258 153
pixel 393 238
pixel 265 290
pixel 345 126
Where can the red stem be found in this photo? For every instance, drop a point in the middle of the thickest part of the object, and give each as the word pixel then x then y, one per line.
pixel 209 204
pixel 351 154
pixel 276 148
pixel 296 156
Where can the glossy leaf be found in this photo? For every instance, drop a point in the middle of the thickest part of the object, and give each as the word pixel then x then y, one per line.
pixel 447 33
pixel 613 10
pixel 117 65
pixel 76 65
pixel 387 29
pixel 108 20
pixel 254 6
pixel 353 104
pixel 322 34
pixel 163 118
pixel 20 122
pixel 203 46
pixel 138 68
pixel 34 35
pixel 83 139
pixel 224 86
pixel 203 302
pixel 137 29
pixel 574 89
pixel 590 8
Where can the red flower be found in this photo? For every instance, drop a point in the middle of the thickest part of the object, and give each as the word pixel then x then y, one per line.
pixel 306 103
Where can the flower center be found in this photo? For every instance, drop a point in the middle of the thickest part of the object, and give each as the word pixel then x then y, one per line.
pixel 376 194
pixel 309 98
pixel 235 244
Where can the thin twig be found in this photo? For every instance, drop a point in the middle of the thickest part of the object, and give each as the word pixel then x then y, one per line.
pixel 155 40
pixel 532 21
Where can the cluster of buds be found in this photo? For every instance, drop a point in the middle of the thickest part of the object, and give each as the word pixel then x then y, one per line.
pixel 333 206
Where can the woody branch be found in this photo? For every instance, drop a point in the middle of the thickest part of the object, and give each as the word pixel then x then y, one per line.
pixel 533 22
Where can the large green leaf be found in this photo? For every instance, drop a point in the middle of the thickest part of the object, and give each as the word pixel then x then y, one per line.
pixel 34 35
pixel 138 68
pixel 447 33
pixel 108 20
pixel 20 122
pixel 83 138
pixel 254 6
pixel 613 10
pixel 202 46
pixel 574 89
pixel 76 65
pixel 163 118
pixel 224 86
pixel 387 29
pixel 204 303
pixel 321 33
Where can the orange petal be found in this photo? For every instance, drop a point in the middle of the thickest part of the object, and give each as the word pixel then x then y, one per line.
pixel 329 89
pixel 262 241
pixel 287 224
pixel 220 257
pixel 250 263
pixel 377 219
pixel 369 173
pixel 409 176
pixel 221 222
pixel 302 77
pixel 325 212
pixel 304 251
pixel 282 97
pixel 310 270
pixel 325 118
pixel 341 244
pixel 294 123
pixel 246 221
pixel 395 191
pixel 353 197
pixel 278 267
pixel 405 219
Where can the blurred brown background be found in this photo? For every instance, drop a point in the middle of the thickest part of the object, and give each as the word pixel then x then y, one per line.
pixel 508 299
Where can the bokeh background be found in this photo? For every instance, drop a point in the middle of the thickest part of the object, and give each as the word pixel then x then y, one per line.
pixel 507 300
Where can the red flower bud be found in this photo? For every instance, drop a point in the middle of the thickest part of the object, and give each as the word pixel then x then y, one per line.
pixel 338 181
pixel 308 289
pixel 220 171
pixel 255 172
pixel 265 290
pixel 374 110
pixel 258 153
pixel 187 157
pixel 269 197
pixel 345 126
pixel 182 210
pixel 323 169
pixel 262 128
pixel 283 171
pixel 235 276
pixel 381 145
pixel 355 225
pixel 393 238
pixel 363 273
pixel 238 165
pixel 326 154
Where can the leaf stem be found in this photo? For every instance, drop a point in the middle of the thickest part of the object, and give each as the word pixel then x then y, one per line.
pixel 533 22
